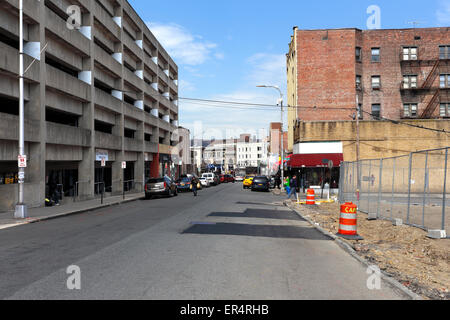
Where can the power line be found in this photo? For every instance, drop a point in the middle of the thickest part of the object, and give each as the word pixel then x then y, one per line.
pixel 405 123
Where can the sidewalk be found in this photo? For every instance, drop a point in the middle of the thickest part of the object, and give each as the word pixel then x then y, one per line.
pixel 46 213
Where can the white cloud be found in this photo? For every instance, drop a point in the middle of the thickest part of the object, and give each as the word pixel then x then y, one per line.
pixel 185 86
pixel 264 68
pixel 443 13
pixel 268 69
pixel 185 47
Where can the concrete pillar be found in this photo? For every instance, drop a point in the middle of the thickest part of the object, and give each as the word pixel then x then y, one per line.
pixel 86 168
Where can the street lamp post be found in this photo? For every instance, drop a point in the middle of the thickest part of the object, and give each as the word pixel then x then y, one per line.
pixel 21 208
pixel 282 135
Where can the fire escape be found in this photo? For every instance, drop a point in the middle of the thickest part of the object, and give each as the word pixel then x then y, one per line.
pixel 414 66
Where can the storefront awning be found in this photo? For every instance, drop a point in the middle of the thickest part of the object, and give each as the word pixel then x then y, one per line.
pixel 314 160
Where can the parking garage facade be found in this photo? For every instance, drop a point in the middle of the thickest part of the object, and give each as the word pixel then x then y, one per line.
pixel 99 96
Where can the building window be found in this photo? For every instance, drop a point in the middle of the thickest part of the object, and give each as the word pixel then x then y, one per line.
pixel 444 52
pixel 358 54
pixel 376 82
pixel 358 83
pixel 444 109
pixel 409 81
pixel 410 110
pixel 409 53
pixel 375 54
pixel 376 111
pixel 444 81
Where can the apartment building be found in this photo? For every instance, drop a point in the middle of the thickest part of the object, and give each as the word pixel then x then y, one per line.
pixel 398 74
pixel 251 153
pixel 101 96
pixel 221 153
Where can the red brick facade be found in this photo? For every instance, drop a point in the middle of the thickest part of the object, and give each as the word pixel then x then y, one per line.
pixel 327 70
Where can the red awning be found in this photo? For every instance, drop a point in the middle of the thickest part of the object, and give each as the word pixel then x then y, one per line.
pixel 314 160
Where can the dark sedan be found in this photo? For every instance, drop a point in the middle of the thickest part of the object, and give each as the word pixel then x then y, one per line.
pixel 184 184
pixel 160 187
pixel 260 184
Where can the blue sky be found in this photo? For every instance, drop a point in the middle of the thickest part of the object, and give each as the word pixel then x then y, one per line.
pixel 225 48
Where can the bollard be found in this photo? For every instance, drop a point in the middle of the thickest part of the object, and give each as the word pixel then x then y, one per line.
pixel 348 222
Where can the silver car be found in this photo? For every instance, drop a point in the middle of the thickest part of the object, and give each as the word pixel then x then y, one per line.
pixel 160 187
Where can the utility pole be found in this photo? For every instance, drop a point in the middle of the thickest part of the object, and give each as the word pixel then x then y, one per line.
pixel 282 135
pixel 21 208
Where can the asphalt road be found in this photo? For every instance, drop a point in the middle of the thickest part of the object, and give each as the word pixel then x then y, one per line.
pixel 225 244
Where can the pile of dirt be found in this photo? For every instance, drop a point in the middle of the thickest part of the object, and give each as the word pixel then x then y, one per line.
pixel 403 252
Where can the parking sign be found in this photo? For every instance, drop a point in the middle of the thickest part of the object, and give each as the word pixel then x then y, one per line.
pixel 22 159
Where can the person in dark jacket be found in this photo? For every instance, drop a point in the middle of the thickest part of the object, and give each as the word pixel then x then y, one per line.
pixel 194 183
pixel 293 186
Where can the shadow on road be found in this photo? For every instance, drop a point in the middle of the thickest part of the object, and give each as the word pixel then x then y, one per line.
pixel 259 213
pixel 268 231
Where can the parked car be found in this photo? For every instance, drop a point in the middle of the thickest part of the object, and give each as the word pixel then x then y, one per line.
pixel 261 183
pixel 184 184
pixel 222 178
pixel 205 182
pixel 160 187
pixel 239 178
pixel 248 182
pixel 229 178
pixel 211 178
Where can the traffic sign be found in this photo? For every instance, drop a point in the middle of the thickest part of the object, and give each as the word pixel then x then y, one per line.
pixel 124 165
pixel 103 162
pixel 22 159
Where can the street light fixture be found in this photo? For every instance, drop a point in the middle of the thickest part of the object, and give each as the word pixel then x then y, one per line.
pixel 282 135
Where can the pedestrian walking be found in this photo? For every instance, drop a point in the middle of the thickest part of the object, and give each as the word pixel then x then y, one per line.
pixel 293 186
pixel 194 186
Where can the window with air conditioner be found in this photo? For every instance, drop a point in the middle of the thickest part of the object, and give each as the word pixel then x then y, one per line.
pixel 376 82
pixel 358 83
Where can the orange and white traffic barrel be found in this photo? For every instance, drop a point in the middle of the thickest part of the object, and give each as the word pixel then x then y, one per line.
pixel 310 197
pixel 348 222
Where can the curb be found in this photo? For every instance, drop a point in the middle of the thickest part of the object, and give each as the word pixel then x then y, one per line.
pixel 70 213
pixel 352 252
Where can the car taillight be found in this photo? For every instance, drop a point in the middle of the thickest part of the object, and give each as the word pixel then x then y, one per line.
pixel 146 187
pixel 165 185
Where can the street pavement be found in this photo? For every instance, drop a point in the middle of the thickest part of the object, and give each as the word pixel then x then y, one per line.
pixel 227 243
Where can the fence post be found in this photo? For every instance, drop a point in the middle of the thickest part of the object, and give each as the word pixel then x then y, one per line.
pixel 425 184
pixel 393 187
pixel 445 190
pixel 409 187
pixel 379 188
pixel 368 189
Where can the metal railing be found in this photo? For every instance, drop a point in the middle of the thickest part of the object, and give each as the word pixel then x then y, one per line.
pixel 412 188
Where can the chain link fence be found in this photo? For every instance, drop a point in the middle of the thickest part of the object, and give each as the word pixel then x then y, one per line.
pixel 413 188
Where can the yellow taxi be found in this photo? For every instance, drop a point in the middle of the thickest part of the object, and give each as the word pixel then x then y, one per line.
pixel 248 182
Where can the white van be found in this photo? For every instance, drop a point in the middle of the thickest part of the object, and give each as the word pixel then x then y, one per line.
pixel 209 177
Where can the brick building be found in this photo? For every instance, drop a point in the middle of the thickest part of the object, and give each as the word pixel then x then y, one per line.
pixel 396 74
pixel 399 74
